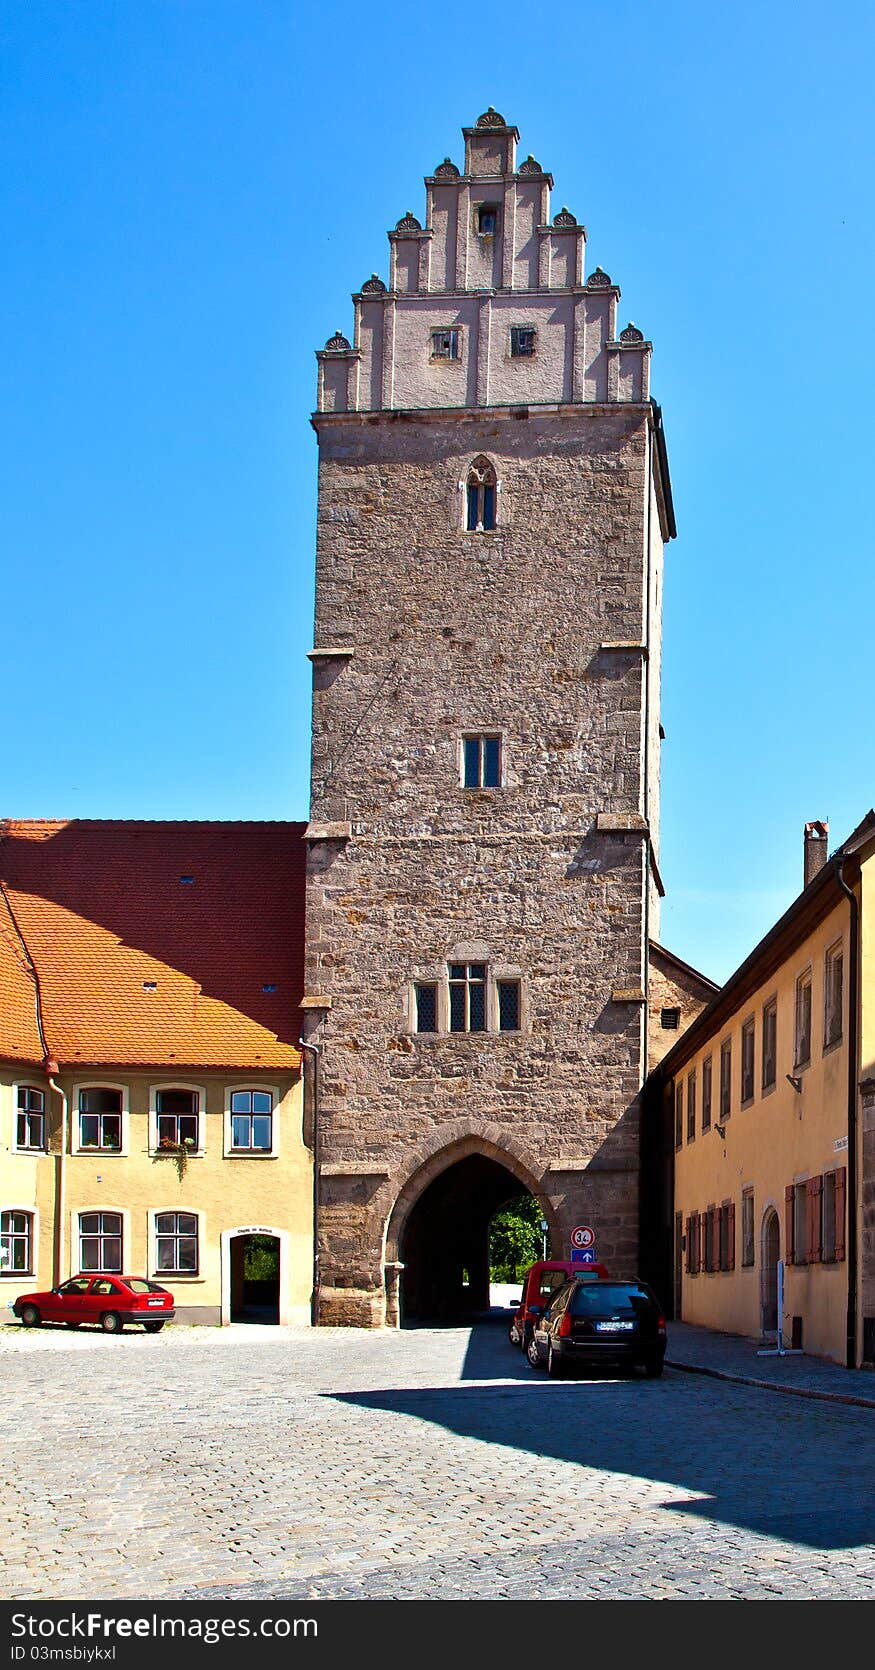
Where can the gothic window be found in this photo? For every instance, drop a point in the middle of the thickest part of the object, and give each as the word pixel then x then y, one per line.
pixel 482 485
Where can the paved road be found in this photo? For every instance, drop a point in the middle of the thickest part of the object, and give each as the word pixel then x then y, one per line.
pixel 265 1463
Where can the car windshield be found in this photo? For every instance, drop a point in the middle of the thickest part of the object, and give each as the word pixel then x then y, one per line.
pixel 611 1297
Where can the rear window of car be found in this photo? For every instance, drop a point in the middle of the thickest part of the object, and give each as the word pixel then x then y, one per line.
pixel 136 1285
pixel 551 1281
pixel 605 1296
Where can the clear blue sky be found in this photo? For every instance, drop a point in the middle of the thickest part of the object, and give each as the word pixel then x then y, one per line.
pixel 192 188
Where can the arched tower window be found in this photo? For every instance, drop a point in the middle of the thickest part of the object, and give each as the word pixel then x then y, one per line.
pixel 482 486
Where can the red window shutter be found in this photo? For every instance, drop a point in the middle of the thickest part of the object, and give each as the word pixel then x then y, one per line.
pixel 840 1212
pixel 815 1219
pixel 713 1248
pixel 697 1247
pixel 789 1223
pixel 688 1262
pixel 730 1260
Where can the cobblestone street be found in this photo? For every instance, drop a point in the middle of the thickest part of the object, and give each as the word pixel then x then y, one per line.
pixel 266 1463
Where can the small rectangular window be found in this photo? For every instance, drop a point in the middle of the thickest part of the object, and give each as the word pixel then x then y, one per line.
pixel 176 1243
pixel 725 1079
pixel 691 1106
pixel 426 1007
pixel 16 1243
pixel 803 1019
pixel 706 1093
pixel 100 1241
pixel 508 1005
pixel 252 1121
pixel 832 996
pixel 670 1020
pixel 481 762
pixel 445 345
pixel 522 341
pixel 747 1054
pixel 487 219
pixel 100 1119
pixel 770 1042
pixel 747 1236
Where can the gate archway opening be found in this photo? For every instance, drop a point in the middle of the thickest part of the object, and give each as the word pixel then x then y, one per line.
pixel 255 1278
pixel 445 1241
pixel 771 1252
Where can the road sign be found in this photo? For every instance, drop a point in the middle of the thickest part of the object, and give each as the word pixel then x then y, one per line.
pixel 582 1237
pixel 583 1255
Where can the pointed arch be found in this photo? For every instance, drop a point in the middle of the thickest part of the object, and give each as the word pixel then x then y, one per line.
pixel 429 1166
pixel 481 496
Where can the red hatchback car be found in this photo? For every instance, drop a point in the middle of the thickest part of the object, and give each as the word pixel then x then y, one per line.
pixel 107 1300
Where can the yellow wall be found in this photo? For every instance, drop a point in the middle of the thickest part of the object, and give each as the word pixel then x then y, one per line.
pixel 228 1193
pixel 779 1138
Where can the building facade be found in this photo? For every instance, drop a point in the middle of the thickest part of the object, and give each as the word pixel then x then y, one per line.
pixel 483 877
pixel 769 1102
pixel 151 1107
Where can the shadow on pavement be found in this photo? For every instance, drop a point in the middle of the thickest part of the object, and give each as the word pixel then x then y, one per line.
pixel 802 1476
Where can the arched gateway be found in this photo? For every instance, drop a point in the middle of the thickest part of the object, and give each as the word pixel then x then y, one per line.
pixel 437 1238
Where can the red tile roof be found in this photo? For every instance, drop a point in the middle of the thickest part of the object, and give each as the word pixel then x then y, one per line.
pixel 138 967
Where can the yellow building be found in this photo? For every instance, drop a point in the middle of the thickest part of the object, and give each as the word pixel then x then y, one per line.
pixel 151 1100
pixel 770 1101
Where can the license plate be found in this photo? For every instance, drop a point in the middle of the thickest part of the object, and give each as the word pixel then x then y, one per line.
pixel 614 1327
pixel 156 1301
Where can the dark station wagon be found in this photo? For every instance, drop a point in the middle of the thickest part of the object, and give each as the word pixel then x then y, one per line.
pixel 597 1322
pixel 108 1301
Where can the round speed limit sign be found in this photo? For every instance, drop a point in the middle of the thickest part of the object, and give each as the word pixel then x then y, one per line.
pixel 582 1237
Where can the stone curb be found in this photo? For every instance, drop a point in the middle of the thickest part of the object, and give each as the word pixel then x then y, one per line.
pixel 771 1386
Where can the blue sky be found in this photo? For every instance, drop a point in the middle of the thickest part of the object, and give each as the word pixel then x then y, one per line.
pixel 192 188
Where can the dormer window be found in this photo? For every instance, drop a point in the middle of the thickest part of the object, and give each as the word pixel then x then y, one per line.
pixel 446 345
pixel 481 491
pixel 522 341
pixel 487 219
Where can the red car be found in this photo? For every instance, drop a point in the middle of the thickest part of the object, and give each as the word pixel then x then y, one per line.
pixel 107 1300
pixel 540 1282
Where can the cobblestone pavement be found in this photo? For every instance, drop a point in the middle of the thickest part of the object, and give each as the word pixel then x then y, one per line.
pixel 278 1463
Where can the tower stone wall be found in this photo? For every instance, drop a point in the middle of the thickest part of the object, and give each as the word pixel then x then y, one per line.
pixel 538 628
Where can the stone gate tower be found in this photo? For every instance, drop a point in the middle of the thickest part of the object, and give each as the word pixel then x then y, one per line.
pixel 482 878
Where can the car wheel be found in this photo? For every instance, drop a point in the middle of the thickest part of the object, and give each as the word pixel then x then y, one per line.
pixel 153 1327
pixel 111 1322
pixel 555 1365
pixel 532 1353
pixel 653 1368
pixel 30 1316
pixel 512 1334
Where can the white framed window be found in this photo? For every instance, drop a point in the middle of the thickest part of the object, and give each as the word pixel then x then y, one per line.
pixel 802 1053
pixel 770 1043
pixel 100 1124
pixel 30 1118
pixel 19 1239
pixel 176 1117
pixel 175 1239
pixel 481 760
pixel 251 1121
pixel 747 1061
pixel 100 1239
pixel 691 1106
pixel 707 1075
pixel 833 983
pixel 725 1079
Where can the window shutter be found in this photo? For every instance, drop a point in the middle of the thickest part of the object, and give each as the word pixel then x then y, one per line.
pixel 789 1221
pixel 697 1223
pixel 815 1232
pixel 840 1212
pixel 713 1249
pixel 730 1259
pixel 688 1262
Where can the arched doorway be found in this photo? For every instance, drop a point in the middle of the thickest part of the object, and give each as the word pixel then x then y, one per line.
pixel 771 1252
pixel 445 1238
pixel 255 1274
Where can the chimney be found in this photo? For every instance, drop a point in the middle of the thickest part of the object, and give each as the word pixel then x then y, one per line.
pixel 815 849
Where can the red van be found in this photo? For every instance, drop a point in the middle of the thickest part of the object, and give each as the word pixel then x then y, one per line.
pixel 540 1282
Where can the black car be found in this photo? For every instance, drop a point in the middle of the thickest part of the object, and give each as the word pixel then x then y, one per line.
pixel 599 1322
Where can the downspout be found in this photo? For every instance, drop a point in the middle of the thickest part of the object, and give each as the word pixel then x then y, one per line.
pixel 315 1051
pixel 853 1048
pixel 50 1068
